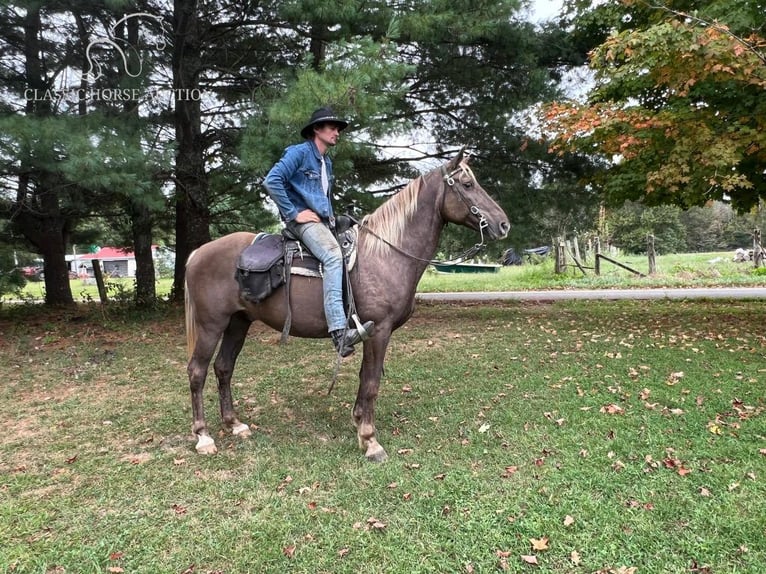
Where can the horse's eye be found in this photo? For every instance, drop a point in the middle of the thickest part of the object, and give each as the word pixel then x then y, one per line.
pixel 468 184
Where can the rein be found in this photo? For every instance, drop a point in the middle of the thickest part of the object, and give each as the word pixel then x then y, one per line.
pixel 483 224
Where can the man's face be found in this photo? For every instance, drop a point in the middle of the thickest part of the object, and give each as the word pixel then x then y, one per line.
pixel 327 134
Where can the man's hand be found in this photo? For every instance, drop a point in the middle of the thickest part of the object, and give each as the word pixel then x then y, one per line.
pixel 307 216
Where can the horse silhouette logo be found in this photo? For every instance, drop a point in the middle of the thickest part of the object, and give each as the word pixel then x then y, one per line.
pixel 122 47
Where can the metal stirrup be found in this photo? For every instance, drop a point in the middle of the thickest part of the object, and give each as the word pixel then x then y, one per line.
pixel 360 328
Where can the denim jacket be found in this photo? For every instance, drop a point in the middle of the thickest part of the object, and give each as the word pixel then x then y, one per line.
pixel 295 182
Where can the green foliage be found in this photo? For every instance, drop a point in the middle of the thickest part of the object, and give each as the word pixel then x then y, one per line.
pixel 11 278
pixel 630 225
pixel 677 108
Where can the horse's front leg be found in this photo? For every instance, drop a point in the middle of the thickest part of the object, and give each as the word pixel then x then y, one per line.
pixel 369 383
pixel 231 345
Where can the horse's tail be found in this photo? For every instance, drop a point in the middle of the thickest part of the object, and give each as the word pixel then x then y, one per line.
pixel 191 319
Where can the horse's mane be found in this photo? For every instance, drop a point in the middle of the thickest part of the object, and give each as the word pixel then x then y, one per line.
pixel 390 219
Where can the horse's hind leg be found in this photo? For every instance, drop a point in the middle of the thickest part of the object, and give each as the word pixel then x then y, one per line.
pixel 231 345
pixel 204 347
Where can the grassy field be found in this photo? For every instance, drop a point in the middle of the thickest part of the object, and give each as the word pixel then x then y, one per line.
pixel 682 270
pixel 578 437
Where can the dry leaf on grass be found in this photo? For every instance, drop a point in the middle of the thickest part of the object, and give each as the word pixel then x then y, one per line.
pixel 612 409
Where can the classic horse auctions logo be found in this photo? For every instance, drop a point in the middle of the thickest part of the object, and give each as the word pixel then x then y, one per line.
pixel 111 42
pixel 130 60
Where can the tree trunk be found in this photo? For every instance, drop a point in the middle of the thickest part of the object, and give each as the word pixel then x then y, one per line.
pixel 39 216
pixel 192 201
pixel 141 219
pixel 141 223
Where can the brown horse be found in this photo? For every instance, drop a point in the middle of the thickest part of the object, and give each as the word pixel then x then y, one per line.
pixel 395 244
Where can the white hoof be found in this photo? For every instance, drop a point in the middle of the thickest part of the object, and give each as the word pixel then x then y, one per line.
pixel 241 430
pixel 206 445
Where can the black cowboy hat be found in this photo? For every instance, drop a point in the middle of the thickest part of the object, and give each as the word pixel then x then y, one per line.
pixel 322 116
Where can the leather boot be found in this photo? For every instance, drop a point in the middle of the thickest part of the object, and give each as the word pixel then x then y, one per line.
pixel 345 345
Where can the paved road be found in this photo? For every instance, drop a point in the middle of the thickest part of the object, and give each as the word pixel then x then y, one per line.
pixel 601 294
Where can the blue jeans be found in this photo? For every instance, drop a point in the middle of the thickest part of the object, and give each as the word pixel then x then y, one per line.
pixel 321 241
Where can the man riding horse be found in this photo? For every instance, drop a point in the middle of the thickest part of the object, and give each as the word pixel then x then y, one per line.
pixel 300 184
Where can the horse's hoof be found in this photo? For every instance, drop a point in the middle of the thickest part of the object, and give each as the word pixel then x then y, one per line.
pixel 377 454
pixel 206 445
pixel 241 430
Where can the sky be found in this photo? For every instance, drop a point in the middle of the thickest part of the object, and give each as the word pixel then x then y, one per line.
pixel 544 9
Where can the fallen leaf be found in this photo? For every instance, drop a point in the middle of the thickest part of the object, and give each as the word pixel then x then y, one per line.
pixel 116 555
pixel 683 471
pixel 612 409
pixel 484 428
pixel 342 552
pixel 179 509
pixel 704 491
pixel 673 378
pixel 440 476
pixel 179 461
pixel 376 524
pixel 312 505
pixel 568 520
pixel 539 544
pixel 404 451
pixel 529 559
pixel 289 551
pixel 406 389
pixel 115 569
pixel 509 471
pixel 695 567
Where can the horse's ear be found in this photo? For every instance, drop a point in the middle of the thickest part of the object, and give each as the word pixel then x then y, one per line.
pixel 455 161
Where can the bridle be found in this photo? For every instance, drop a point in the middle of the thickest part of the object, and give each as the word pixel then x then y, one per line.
pixel 454 185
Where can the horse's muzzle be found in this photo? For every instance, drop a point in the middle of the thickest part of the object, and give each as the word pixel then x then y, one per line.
pixel 499 231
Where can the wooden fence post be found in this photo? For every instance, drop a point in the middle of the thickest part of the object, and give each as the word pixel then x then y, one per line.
pixel 576 248
pixel 99 280
pixel 652 254
pixel 561 255
pixel 597 255
pixel 757 248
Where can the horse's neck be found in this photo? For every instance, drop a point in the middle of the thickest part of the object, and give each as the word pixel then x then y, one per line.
pixel 419 242
pixel 425 227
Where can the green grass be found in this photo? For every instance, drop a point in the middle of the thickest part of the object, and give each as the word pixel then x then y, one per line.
pixel 500 422
pixel 86 291
pixel 681 270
